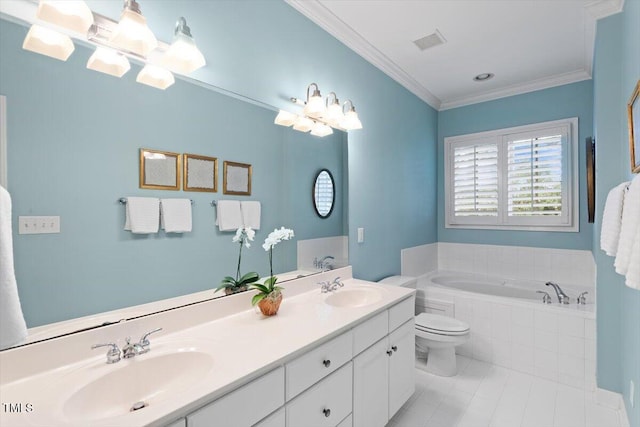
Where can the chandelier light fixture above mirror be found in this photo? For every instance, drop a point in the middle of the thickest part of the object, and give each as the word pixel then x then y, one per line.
pixel 115 42
pixel 320 115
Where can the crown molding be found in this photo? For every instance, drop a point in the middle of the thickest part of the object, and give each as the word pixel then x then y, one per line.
pixel 599 9
pixel 328 21
pixel 517 89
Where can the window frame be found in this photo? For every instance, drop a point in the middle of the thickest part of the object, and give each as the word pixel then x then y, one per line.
pixel 567 222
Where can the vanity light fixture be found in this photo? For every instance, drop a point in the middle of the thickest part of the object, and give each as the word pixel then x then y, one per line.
pixel 351 120
pixel 73 15
pixel 48 42
pixel 108 61
pixel 314 105
pixel 55 22
pixel 183 55
pixel 320 116
pixel 132 33
pixel 154 76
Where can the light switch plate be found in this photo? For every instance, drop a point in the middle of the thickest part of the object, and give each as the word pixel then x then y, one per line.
pixel 360 235
pixel 38 224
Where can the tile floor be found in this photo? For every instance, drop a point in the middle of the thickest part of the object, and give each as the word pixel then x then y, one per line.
pixel 484 395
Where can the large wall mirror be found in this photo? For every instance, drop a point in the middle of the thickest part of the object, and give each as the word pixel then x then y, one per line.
pixel 73 138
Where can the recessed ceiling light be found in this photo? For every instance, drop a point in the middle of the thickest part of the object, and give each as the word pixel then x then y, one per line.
pixel 483 77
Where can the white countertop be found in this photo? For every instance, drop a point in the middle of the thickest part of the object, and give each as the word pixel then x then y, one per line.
pixel 244 345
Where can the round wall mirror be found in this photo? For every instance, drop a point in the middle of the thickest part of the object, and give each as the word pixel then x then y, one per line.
pixel 324 193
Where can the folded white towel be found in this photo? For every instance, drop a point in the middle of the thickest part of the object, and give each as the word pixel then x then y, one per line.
pixel 143 215
pixel 13 329
pixel 175 215
pixel 229 215
pixel 628 227
pixel 633 272
pixel 611 219
pixel 251 214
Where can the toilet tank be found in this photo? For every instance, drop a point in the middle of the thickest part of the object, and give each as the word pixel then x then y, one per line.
pixel 402 281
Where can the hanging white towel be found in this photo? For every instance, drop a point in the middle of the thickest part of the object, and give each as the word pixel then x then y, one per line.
pixel 628 227
pixel 175 215
pixel 229 215
pixel 13 329
pixel 143 215
pixel 633 272
pixel 251 214
pixel 611 219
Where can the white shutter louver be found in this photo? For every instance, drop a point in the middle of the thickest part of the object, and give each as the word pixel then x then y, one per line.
pixel 534 176
pixel 475 180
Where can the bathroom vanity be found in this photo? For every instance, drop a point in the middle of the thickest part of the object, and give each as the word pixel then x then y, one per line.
pixel 342 358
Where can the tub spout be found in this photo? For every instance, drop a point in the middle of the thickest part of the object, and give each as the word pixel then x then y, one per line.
pixel 562 297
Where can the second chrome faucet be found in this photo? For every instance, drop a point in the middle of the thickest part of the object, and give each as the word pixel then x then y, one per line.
pixel 129 350
pixel 562 297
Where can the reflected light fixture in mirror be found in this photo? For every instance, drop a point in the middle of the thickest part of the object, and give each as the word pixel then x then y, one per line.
pixel 56 22
pixel 132 33
pixel 108 61
pixel 320 116
pixel 154 76
pixel 48 42
pixel 72 15
pixel 183 55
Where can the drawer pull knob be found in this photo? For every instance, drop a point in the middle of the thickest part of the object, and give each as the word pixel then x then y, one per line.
pixel 389 352
pixel 326 412
pixel 326 363
pixel 394 348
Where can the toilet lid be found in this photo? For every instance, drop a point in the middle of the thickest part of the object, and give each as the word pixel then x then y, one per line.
pixel 440 324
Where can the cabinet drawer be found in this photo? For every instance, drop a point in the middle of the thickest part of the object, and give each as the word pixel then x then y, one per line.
pixel 325 404
pixel 401 312
pixel 264 395
pixel 277 419
pixel 369 332
pixel 310 368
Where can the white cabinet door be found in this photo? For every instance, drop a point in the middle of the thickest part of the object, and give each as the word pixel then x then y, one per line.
pixel 180 423
pixel 371 386
pixel 401 366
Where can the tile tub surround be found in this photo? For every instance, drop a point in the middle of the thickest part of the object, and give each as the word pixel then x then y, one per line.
pixel 303 322
pixel 550 341
pixel 564 266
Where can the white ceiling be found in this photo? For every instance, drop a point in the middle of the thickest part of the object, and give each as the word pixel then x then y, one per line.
pixel 528 44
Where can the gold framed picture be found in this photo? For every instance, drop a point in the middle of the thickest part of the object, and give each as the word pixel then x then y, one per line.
pixel 633 112
pixel 159 170
pixel 236 178
pixel 199 173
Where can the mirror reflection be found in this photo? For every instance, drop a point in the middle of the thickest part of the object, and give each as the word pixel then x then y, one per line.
pixel 74 137
pixel 324 193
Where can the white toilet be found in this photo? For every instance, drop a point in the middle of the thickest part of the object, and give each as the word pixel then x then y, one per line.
pixel 436 335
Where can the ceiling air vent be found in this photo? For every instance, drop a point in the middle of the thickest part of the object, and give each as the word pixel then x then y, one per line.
pixel 430 41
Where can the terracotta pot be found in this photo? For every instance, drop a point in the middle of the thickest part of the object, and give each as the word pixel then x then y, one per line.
pixel 230 291
pixel 271 303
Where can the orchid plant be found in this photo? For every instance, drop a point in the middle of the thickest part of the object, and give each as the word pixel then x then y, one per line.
pixel 269 286
pixel 243 237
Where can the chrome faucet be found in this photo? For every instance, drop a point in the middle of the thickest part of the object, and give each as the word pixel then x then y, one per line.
pixel 113 355
pixel 130 350
pixel 324 264
pixel 144 341
pixel 328 286
pixel 562 297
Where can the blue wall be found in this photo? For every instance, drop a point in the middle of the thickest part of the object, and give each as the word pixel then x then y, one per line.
pixel 268 51
pixel 74 136
pixel 616 71
pixel 574 100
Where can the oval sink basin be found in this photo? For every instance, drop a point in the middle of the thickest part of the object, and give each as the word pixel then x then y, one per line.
pixel 142 381
pixel 354 297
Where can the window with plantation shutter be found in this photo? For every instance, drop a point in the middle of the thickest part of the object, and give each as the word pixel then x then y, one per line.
pixel 519 178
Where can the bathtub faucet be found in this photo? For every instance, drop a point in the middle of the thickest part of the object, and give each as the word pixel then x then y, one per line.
pixel 562 297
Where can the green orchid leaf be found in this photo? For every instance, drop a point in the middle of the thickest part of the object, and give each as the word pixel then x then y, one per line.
pixel 260 287
pixel 249 278
pixel 257 298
